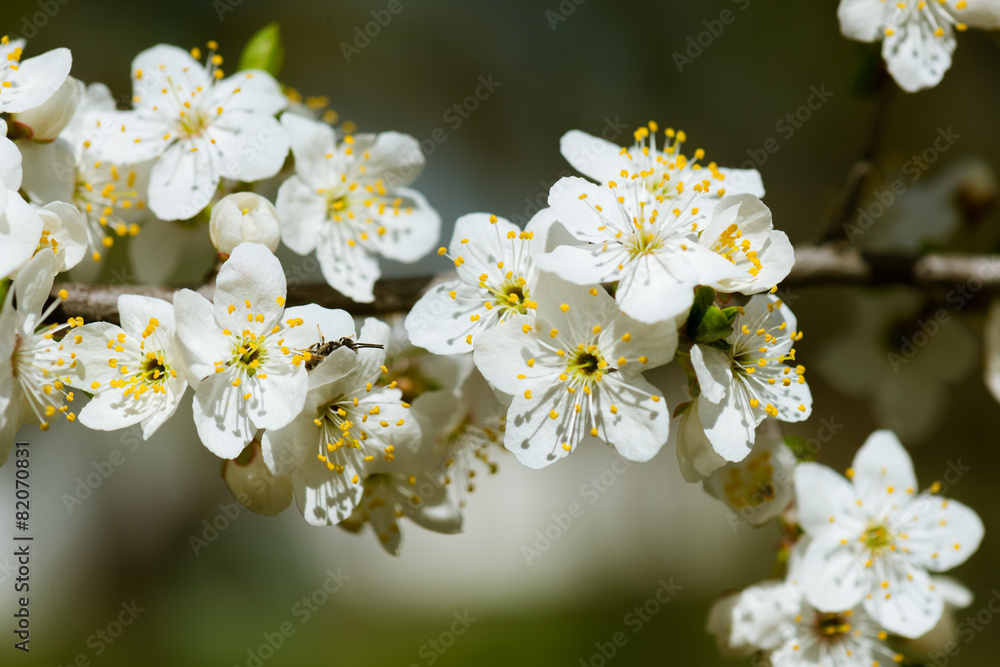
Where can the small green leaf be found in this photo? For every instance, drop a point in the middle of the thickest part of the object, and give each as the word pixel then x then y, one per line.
pixel 703 299
pixel 716 324
pixel 4 284
pixel 800 447
pixel 264 51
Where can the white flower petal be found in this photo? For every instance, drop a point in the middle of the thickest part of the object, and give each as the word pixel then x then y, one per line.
pixel 880 465
pixel 832 577
pixel 861 19
pixel 826 503
pixel 302 213
pixel 695 454
pixel 915 56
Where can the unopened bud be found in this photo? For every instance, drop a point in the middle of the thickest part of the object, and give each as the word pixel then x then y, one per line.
pixel 244 216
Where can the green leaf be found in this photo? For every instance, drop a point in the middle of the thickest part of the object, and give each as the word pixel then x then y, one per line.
pixel 716 324
pixel 264 51
pixel 4 285
pixel 703 299
pixel 800 446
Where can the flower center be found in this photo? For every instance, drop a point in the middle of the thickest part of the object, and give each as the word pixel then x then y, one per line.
pixel 878 538
pixel 249 353
pixel 192 122
pixel 832 626
pixel 586 364
pixel 513 296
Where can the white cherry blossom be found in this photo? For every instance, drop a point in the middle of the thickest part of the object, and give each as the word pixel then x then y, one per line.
pixel 875 538
pixel 136 371
pixel 494 260
pixel 575 370
pixel 661 165
pixel 36 369
pixel 246 354
pixel 199 126
pixel 918 37
pixel 349 429
pixel 348 202
pixel 747 379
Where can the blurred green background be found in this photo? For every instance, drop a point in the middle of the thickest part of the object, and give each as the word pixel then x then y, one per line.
pixel 560 65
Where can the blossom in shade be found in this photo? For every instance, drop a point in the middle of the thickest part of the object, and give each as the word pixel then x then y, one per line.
pixel 110 195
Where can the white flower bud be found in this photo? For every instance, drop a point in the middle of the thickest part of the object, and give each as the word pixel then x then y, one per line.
pixel 244 216
pixel 253 484
pixel 46 121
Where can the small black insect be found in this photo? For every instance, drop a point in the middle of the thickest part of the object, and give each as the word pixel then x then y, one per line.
pixel 319 351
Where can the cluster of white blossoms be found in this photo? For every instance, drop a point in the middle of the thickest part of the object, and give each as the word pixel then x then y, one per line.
pixel 918 37
pixel 538 343
pixel 859 579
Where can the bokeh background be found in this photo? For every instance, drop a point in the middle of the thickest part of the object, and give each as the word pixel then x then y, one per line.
pixel 560 65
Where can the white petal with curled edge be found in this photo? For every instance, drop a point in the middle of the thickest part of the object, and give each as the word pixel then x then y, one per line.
pixel 592 156
pixel 36 80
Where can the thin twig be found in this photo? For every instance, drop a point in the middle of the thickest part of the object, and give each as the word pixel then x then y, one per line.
pixel 827 264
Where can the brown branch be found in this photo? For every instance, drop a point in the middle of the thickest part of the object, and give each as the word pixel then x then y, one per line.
pixel 828 264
